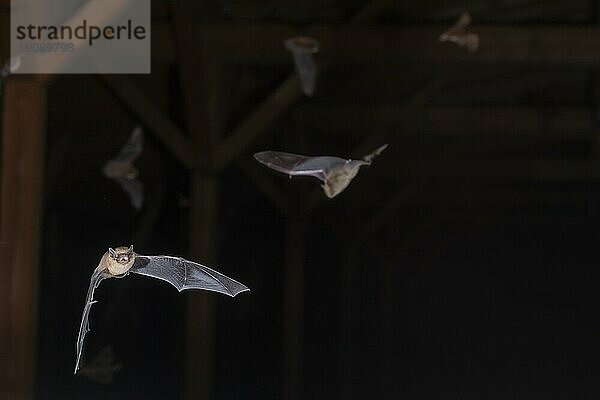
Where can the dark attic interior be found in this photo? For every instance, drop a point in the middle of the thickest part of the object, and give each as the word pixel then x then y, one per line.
pixel 461 264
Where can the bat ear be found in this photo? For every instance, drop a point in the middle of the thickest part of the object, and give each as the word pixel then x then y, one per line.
pixel 112 252
pixel 130 249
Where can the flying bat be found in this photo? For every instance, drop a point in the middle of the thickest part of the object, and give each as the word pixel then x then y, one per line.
pixel 458 34
pixel 122 170
pixel 102 367
pixel 179 272
pixel 336 173
pixel 303 48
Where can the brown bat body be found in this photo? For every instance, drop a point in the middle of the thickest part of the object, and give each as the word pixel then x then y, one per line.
pixel 340 177
pixel 118 265
pixel 458 34
pixel 120 169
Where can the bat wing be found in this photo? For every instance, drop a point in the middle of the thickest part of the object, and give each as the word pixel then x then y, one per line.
pixel 84 328
pixel 133 148
pixel 306 70
pixel 102 367
pixel 134 189
pixel 458 29
pixel 294 164
pixel 185 274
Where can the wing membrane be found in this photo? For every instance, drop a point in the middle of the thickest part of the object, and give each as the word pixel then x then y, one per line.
pixel 134 189
pixel 294 164
pixel 84 328
pixel 185 274
pixel 133 148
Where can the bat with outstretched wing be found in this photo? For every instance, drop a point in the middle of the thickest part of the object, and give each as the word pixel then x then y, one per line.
pixel 122 170
pixel 336 173
pixel 302 49
pixel 458 34
pixel 179 272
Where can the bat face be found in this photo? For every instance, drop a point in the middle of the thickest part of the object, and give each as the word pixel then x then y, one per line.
pixel 119 260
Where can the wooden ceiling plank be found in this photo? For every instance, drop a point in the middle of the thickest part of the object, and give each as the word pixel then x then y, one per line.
pixel 275 104
pixel 152 117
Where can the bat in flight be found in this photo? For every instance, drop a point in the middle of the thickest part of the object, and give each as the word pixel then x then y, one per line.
pixel 102 367
pixel 336 173
pixel 458 34
pixel 122 170
pixel 179 272
pixel 303 48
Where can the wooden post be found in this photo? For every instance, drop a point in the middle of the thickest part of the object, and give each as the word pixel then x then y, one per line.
pixel 293 308
pixel 195 71
pixel 24 116
pixel 350 321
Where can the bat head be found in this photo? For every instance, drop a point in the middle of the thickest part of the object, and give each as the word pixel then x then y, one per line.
pixel 122 255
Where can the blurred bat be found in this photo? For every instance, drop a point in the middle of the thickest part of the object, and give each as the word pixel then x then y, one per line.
pixel 336 173
pixel 302 49
pixel 458 34
pixel 122 170
pixel 102 367
pixel 179 272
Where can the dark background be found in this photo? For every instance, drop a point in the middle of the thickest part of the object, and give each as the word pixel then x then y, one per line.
pixel 461 265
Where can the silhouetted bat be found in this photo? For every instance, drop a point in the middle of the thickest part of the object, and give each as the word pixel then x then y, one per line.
pixel 302 49
pixel 336 173
pixel 458 34
pixel 102 367
pixel 122 170
pixel 179 272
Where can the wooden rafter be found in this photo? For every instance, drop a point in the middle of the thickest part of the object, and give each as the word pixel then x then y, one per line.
pixel 401 44
pixel 152 117
pixel 282 97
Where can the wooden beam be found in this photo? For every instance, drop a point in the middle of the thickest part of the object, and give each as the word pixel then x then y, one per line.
pixel 557 45
pixel 257 121
pixel 282 97
pixel 557 170
pixel 294 308
pixel 198 85
pixel 152 117
pixel 267 186
pixel 351 318
pixel 552 122
pixel 23 144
